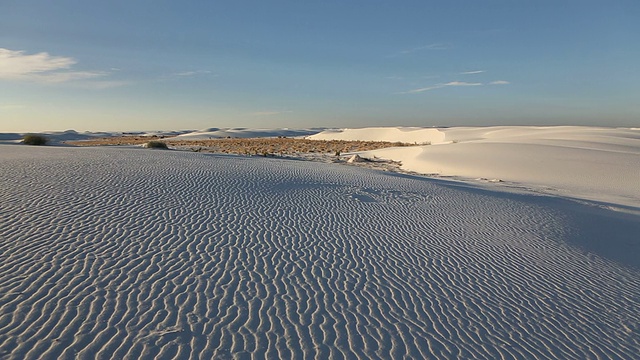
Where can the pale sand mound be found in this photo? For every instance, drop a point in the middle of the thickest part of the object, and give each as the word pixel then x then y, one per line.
pixel 601 164
pixel 391 134
pixel 133 253
pixel 217 133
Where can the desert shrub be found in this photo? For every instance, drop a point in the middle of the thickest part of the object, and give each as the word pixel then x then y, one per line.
pixel 33 139
pixel 156 145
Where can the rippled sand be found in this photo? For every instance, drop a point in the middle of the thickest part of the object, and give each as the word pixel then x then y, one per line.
pixel 130 253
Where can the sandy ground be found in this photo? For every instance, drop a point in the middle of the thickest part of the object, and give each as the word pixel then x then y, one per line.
pixel 130 253
pixel 531 251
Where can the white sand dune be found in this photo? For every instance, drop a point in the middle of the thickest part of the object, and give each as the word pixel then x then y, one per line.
pixel 392 134
pixel 58 137
pixel 220 133
pixel 134 253
pixel 599 164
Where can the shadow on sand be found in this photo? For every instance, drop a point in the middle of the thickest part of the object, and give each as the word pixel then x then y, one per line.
pixel 590 226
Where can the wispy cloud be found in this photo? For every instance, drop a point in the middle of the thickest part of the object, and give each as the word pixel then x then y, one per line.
pixel 472 72
pixel 440 86
pixel 187 74
pixel 16 63
pixel 101 84
pixel 45 68
pixel 415 91
pixel 499 82
pixel 462 83
pixel 62 76
pixel 270 112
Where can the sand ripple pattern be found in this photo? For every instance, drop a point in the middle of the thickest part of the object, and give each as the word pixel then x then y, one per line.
pixel 125 254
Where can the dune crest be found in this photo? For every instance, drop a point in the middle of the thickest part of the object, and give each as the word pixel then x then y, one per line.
pixel 391 134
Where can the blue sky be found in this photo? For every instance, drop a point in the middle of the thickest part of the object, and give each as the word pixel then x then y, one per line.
pixel 160 65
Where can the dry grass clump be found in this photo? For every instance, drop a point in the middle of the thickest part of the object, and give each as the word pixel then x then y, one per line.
pixel 156 145
pixel 34 139
pixel 253 146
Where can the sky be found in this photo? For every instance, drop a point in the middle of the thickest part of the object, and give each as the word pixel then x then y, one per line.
pixel 139 65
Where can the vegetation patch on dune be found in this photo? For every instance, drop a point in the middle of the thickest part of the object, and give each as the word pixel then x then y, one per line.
pixel 154 144
pixel 34 139
pixel 251 146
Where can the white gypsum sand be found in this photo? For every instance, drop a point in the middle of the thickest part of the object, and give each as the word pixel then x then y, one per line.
pixel 589 163
pixel 219 133
pixel 134 253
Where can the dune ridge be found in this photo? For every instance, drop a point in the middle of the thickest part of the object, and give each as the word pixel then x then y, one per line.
pixel 588 163
pixel 418 135
pixel 243 133
pixel 128 253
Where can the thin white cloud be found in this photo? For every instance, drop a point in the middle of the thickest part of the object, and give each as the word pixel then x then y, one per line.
pixel 472 72
pixel 440 86
pixel 187 74
pixel 415 91
pixel 45 68
pixel 499 82
pixel 192 73
pixel 101 84
pixel 16 63
pixel 461 83
pixel 62 76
